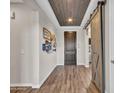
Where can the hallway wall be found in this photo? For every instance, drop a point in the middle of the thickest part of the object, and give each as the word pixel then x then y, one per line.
pixel 80 45
pixel 20 63
pixel 29 65
pixel 47 61
pixel 87 35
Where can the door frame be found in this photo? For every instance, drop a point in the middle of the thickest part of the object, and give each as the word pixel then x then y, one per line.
pixel 75 45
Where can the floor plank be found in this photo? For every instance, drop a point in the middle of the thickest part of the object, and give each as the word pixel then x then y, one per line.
pixel 65 79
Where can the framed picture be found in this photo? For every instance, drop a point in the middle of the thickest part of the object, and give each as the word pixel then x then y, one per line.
pixel 49 44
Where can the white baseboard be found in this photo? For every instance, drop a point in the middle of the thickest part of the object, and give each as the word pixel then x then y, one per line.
pixel 32 85
pixel 80 64
pixel 42 81
pixel 36 86
pixel 87 65
pixel 20 84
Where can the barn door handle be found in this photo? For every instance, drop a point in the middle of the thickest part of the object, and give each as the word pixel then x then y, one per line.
pixel 112 61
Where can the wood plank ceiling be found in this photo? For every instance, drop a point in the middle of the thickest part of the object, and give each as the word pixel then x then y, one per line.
pixel 69 12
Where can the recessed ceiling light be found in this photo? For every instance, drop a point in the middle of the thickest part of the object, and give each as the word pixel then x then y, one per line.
pixel 70 20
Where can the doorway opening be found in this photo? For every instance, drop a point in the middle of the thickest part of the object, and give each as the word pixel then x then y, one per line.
pixel 70 48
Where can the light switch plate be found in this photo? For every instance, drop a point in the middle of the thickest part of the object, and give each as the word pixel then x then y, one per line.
pixel 22 52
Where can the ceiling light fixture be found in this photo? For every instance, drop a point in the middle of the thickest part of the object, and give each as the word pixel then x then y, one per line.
pixel 70 20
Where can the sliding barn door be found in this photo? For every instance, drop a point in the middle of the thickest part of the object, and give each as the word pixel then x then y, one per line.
pixel 96 45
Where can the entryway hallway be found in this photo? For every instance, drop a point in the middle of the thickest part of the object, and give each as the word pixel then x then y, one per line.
pixel 64 79
pixel 61 46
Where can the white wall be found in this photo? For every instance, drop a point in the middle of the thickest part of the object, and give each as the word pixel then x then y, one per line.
pixel 81 48
pixel 87 35
pixel 80 45
pixel 30 66
pixel 47 61
pixel 35 49
pixel 20 65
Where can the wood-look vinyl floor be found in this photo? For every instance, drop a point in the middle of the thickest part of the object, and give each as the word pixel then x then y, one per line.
pixel 64 79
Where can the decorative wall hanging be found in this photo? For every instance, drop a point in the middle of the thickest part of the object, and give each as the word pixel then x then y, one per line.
pixel 49 44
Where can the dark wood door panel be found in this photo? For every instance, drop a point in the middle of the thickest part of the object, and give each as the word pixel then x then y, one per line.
pixel 70 48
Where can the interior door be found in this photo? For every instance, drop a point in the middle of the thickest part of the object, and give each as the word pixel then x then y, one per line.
pixel 70 48
pixel 96 45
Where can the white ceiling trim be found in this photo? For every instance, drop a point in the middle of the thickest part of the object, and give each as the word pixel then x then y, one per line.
pixel 70 28
pixel 16 1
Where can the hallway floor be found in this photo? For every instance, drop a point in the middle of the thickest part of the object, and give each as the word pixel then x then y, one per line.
pixel 64 79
